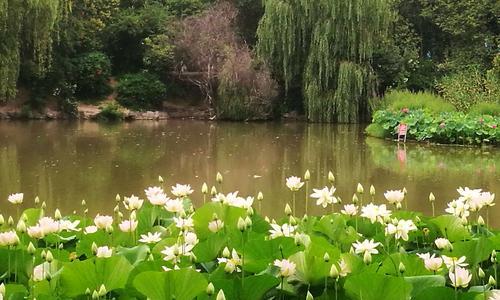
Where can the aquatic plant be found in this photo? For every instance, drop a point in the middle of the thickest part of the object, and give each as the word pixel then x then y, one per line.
pixel 162 247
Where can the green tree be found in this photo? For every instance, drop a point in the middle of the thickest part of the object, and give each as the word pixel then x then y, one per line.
pixel 325 47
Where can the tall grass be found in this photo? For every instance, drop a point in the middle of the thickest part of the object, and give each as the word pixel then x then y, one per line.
pixel 400 99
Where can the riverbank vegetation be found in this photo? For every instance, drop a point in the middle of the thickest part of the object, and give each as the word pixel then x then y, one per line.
pixel 160 246
pixel 245 59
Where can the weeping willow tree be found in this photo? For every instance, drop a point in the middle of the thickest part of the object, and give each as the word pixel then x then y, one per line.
pixel 325 47
pixel 28 29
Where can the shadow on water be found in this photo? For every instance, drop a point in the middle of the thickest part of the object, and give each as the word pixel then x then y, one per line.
pixel 65 162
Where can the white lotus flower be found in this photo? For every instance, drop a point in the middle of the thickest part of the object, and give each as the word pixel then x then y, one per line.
pixel 283 230
pixel 67 225
pixel 191 238
pixel 401 229
pixel 294 183
pixel 48 225
pixel 104 252
pixel 460 277
pixel 41 272
pixel 184 223
pixel 9 238
pixel 16 198
pixel 215 225
pixel 458 208
pixel 132 202
pixel 367 246
pixel 103 222
pixel 394 197
pixel 239 201
pixel 488 199
pixel 128 225
pixel 432 263
pixel 324 196
pixel 182 190
pixel 350 210
pixel 150 238
pixel 174 205
pixel 90 229
pixel 375 213
pixel 232 263
pixel 175 252
pixel 36 232
pixel 452 262
pixel 344 268
pixel 442 243
pixel 287 268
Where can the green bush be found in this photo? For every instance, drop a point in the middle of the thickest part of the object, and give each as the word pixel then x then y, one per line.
pixel 92 74
pixel 111 112
pixel 403 99
pixel 468 87
pixel 376 130
pixel 140 91
pixel 485 108
pixel 446 127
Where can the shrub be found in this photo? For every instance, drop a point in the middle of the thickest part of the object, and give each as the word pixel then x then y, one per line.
pixel 245 91
pixel 404 99
pixel 468 87
pixel 376 130
pixel 92 74
pixel 111 112
pixel 485 108
pixel 140 91
pixel 446 127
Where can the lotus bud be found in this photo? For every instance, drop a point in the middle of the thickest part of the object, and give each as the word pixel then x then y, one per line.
pixel 307 175
pixel 359 189
pixel 351 251
pixel 44 205
pixel 480 273
pixel 334 272
pixel 220 295
pixel 43 254
pixel 61 246
pixel 31 248
pixel 260 196
pixel 480 221
pixel 331 177
pixel 213 191
pixel 10 221
pixel 218 178
pixel 37 200
pixel 288 210
pixel 116 209
pixel 431 197
pixel 292 221
pixel 88 292
pixel 372 190
pixel 118 198
pixel 492 281
pixel 21 226
pixel 493 256
pixel 49 257
pixel 250 211
pixel 402 268
pixel 241 224
pixel 2 220
pixel 102 290
pixel 367 258
pixel 95 295
pixel 309 296
pixel 210 289
pixel 204 188
pixel 305 218
pixel 248 222
pixel 57 215
pixel 398 206
pixel 355 199
pixel 226 253
pixel 109 229
pixel 85 211
pixel 160 179
pixel 2 290
pixel 266 218
pixel 326 257
pixel 297 240
pixel 133 216
pixel 94 247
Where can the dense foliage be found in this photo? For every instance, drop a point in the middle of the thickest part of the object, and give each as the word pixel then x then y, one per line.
pixel 140 91
pixel 327 57
pixel 163 248
pixel 446 127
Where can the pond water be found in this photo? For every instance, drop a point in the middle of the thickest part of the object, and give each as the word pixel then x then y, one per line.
pixel 65 162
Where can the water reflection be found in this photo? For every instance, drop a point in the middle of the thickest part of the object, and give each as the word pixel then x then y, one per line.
pixel 65 162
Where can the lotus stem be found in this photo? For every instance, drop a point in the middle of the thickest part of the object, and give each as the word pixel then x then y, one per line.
pixel 293 203
pixel 307 196
pixel 433 209
pixel 336 288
